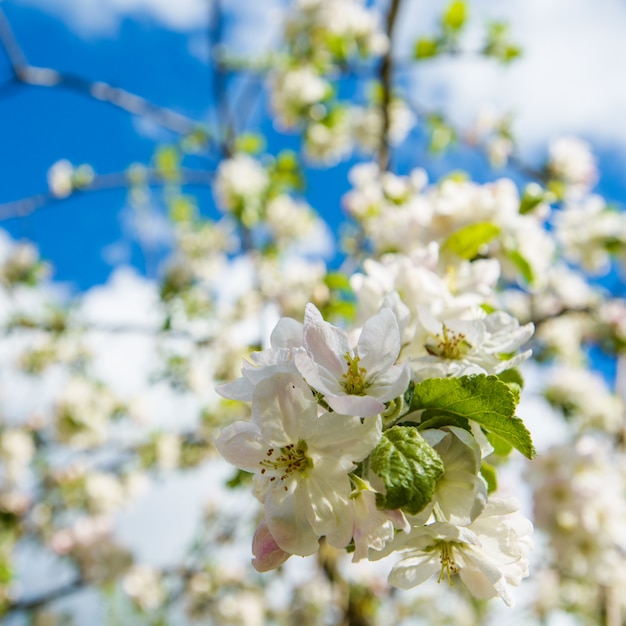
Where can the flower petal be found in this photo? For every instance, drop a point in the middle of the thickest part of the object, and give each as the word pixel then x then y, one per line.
pixel 288 524
pixel 379 343
pixel 267 553
pixel 282 405
pixel 241 445
pixel 414 570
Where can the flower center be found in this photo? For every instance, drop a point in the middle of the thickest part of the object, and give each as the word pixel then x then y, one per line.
pixel 354 379
pixel 288 459
pixel 448 345
pixel 448 565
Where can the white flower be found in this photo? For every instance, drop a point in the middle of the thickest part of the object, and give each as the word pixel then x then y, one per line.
pixel 461 494
pixel 143 585
pixel 16 450
pixel 373 528
pixel 295 91
pixel 286 336
pixel 460 347
pixel 60 179
pixel 300 461
pixel 489 555
pixel 586 230
pixel 354 381
pixel 240 180
pixel 571 159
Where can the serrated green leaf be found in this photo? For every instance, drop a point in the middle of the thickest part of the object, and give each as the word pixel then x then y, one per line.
pixel 500 446
pixel 483 399
pixel 468 241
pixel 409 467
pixel 512 376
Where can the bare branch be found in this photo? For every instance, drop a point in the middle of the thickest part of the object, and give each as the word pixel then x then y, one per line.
pixel 102 182
pixel 386 73
pixel 120 98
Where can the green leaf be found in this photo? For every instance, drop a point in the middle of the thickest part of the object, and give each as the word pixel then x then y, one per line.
pixel 409 467
pixel 488 472
pixel 426 48
pixel 483 399
pixel 533 196
pixel 338 281
pixel 468 241
pixel 250 143
pixel 522 265
pixel 455 16
pixel 167 163
pixel 500 446
pixel 183 209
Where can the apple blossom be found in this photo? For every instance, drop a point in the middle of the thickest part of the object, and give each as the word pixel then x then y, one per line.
pixel 300 461
pixel 359 380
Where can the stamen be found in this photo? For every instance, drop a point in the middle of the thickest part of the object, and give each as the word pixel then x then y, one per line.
pixel 354 379
pixel 450 345
pixel 448 565
pixel 289 459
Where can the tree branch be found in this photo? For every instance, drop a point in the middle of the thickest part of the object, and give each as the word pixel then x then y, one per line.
pixel 102 182
pixel 386 73
pixel 27 74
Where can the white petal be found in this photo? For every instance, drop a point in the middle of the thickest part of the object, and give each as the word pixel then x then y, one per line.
pixel 379 343
pixel 282 405
pixel 288 333
pixel 327 505
pixel 361 406
pixel 239 389
pixel 287 522
pixel 391 383
pixel 326 343
pixel 241 445
pixel 414 570
pixel 345 438
pixel 318 377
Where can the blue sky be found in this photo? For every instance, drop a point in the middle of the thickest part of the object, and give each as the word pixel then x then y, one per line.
pixel 158 51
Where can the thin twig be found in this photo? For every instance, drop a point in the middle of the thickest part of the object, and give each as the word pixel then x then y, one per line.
pixel 102 182
pixel 120 98
pixel 36 602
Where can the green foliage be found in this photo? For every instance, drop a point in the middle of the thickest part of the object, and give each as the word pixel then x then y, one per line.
pixel 500 446
pixel 454 17
pixel 498 45
pixel 167 163
pixel 409 467
pixel 468 241
pixel 183 208
pixel 490 475
pixel 441 134
pixel 484 399
pixel 285 173
pixel 532 197
pixel 250 143
pixel 426 48
pixel 523 266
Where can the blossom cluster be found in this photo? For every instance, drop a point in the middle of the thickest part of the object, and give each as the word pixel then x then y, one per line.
pixel 342 444
pixel 322 38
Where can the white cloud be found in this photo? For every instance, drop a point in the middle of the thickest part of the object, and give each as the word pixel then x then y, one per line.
pixel 101 17
pixel 568 80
